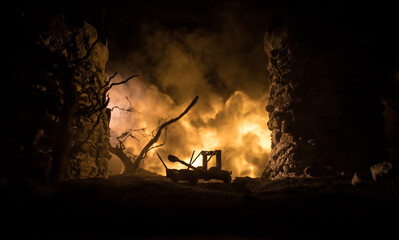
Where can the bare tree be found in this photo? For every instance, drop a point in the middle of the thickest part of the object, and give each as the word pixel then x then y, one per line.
pixel 72 111
pixel 118 150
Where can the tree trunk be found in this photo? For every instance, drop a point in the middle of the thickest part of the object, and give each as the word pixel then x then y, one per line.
pixel 63 141
pixel 122 156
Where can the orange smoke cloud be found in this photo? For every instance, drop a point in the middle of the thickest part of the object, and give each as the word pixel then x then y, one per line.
pixel 224 68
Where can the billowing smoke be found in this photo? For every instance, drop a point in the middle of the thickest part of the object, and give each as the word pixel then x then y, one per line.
pixel 225 67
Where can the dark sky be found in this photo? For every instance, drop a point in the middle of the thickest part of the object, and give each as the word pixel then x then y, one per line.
pixel 374 22
pixel 124 18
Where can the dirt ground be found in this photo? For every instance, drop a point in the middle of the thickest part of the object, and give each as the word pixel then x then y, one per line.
pixel 153 207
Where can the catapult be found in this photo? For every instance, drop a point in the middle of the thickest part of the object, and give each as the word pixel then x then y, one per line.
pixel 193 174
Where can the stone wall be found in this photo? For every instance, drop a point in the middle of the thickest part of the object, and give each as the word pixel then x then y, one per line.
pixel 325 112
pixel 72 43
pixel 52 51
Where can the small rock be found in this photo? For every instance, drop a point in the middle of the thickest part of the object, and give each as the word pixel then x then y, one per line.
pixel 356 180
pixel 381 169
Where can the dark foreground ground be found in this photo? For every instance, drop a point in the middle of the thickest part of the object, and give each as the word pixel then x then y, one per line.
pixel 153 207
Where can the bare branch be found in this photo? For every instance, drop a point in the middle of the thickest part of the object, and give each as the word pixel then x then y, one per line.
pixel 129 109
pixel 110 78
pixel 108 85
pixel 161 144
pixel 129 133
pixel 122 82
pixel 78 145
pixel 147 147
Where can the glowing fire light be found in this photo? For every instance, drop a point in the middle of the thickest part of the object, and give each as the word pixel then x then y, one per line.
pixel 237 127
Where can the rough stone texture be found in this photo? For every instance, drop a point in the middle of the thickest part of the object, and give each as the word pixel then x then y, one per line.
pixel 52 49
pixel 291 151
pixel 324 109
pixel 91 159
